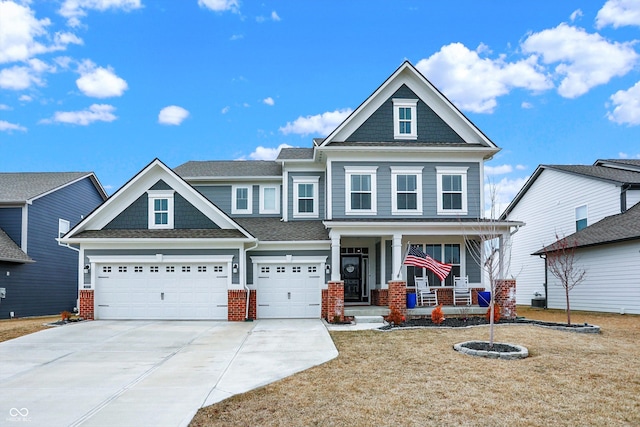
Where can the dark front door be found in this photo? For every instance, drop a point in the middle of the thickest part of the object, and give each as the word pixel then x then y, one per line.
pixel 352 277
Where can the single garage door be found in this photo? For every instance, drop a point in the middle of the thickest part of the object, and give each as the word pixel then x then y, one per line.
pixel 161 291
pixel 289 291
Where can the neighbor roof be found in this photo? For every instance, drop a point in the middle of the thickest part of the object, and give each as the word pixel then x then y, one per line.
pixel 614 228
pixel 274 229
pixel 295 154
pixel 228 168
pixel 23 186
pixel 10 251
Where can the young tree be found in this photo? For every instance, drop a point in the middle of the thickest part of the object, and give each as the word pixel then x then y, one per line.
pixel 561 262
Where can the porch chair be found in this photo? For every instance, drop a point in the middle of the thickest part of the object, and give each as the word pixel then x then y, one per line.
pixel 461 290
pixel 423 292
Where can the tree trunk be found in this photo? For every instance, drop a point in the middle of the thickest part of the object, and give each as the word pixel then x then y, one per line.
pixel 566 290
pixel 491 310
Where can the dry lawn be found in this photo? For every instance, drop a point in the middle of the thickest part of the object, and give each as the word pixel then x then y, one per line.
pixel 415 378
pixel 14 328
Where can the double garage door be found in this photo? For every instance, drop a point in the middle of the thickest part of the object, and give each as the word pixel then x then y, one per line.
pixel 169 290
pixel 286 290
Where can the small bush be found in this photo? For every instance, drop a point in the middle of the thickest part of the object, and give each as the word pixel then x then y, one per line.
pixel 437 316
pixel 496 313
pixel 65 315
pixel 395 317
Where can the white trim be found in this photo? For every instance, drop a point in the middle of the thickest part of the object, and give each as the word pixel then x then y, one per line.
pixel 412 105
pixel 234 199
pixel 289 259
pixel 329 190
pixel 154 195
pixel 448 170
pixel 63 228
pixel 285 194
pixel 159 259
pixel 276 209
pixel 586 215
pixel 24 233
pixel 315 180
pixel 360 170
pixel 406 170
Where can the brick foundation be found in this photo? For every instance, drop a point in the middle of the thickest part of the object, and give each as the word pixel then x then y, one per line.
pixel 380 297
pixel 237 305
pixel 506 298
pixel 335 302
pixel 398 296
pixel 445 296
pixel 86 304
pixel 325 301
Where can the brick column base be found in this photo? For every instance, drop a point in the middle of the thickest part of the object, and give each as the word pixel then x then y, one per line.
pixel 86 304
pixel 335 302
pixel 398 296
pixel 380 297
pixel 237 305
pixel 506 298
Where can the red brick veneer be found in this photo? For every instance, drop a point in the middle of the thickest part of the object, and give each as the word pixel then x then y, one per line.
pixel 86 304
pixel 237 305
pixel 380 297
pixel 506 298
pixel 398 296
pixel 335 301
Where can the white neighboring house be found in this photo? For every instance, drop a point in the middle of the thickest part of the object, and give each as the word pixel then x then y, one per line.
pixel 561 200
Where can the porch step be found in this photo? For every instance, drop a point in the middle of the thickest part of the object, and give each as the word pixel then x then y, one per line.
pixel 368 319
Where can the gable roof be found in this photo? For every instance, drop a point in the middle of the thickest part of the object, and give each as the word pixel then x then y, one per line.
pixel 216 169
pixel 295 153
pixel 10 251
pixel 137 186
pixel 615 228
pixel 631 164
pixel 20 187
pixel 408 75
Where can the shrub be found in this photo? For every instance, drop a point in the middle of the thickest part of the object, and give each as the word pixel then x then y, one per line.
pixel 65 315
pixel 395 317
pixel 437 316
pixel 496 313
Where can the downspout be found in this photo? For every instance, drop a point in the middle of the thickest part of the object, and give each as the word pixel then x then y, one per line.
pixel 623 197
pixel 246 317
pixel 546 280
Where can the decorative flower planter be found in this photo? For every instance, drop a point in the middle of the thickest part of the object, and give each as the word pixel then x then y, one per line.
pixel 501 350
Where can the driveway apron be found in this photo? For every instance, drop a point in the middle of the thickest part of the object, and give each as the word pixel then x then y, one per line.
pixel 132 373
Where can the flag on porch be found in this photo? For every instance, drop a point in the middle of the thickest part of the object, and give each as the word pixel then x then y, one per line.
pixel 417 258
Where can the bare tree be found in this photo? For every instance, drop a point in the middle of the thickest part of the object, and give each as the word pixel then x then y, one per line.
pixel 561 262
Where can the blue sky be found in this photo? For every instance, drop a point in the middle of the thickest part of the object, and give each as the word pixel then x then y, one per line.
pixel 108 85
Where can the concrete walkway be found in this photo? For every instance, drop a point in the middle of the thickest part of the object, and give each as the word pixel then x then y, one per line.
pixel 133 373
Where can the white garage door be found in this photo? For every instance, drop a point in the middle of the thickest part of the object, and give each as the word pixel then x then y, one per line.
pixel 161 291
pixel 289 291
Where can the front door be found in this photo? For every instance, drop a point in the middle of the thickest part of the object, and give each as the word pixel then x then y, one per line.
pixel 352 277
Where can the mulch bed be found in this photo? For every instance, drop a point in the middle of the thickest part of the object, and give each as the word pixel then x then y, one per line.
pixel 457 322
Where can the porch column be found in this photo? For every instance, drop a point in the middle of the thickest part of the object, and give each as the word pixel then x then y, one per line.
pixel 504 244
pixel 397 256
pixel 335 257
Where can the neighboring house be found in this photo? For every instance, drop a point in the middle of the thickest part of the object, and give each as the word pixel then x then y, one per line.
pixel 38 276
pixel 405 166
pixel 609 252
pixel 559 200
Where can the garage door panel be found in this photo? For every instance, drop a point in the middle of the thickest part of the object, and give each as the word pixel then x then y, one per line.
pixel 288 291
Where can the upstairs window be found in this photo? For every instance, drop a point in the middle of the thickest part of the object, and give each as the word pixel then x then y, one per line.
pixel 242 199
pixel 404 118
pixel 160 209
pixel 581 217
pixel 63 227
pixel 305 197
pixel 406 187
pixel 452 190
pixel 361 194
pixel 269 199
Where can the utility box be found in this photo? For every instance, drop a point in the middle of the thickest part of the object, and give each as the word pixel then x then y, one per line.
pixel 538 302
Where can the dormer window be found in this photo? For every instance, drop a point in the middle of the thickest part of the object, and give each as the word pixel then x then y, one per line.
pixel 160 209
pixel 404 118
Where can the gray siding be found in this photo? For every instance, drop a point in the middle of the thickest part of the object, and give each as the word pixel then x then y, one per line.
pixel 219 195
pixel 429 188
pixel 379 126
pixel 283 253
pixel 321 194
pixel 472 267
pixel 11 223
pixel 188 216
pixel 50 284
pixel 134 217
pixel 388 260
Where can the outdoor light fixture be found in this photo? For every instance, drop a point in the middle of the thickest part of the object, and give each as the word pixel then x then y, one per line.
pixel 234 269
pixel 87 268
pixel 327 269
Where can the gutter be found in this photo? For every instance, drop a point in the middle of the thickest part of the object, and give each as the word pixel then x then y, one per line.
pixel 246 317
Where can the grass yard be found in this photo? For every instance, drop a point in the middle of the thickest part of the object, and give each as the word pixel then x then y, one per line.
pixel 415 378
pixel 14 328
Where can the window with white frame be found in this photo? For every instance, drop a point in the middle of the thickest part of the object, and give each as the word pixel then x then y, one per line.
pixel 63 227
pixel 406 188
pixel 269 199
pixel 241 199
pixel 360 195
pixel 581 217
pixel 160 209
pixel 404 118
pixel 452 190
pixel 449 253
pixel 305 197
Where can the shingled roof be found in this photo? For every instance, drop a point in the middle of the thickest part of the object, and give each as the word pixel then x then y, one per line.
pixel 229 168
pixel 11 252
pixel 23 186
pixel 295 154
pixel 274 230
pixel 161 234
pixel 610 174
pixel 612 229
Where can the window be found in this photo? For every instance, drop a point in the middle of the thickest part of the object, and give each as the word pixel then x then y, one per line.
pixel 217 269
pixel 170 269
pixel 269 199
pixel 581 217
pixel 122 269
pixel 404 118
pixel 63 227
pixel 106 269
pixel 202 269
pixel 296 269
pixel 281 269
pixel 360 190
pixel 406 187
pixel 305 197
pixel 160 209
pixel 186 269
pixel 154 269
pixel 447 253
pixel 137 269
pixel 452 190
pixel 242 199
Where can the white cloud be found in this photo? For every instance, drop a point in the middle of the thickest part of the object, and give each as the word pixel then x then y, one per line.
pixel 473 82
pixel 497 170
pixel 8 127
pixel 18 30
pixel 626 106
pixel 4 107
pixel 320 124
pixel 619 13
pixel 172 115
pixel 264 153
pixel 521 167
pixel 575 15
pixel 273 17
pixel 95 113
pixel 236 37
pixel 225 110
pixel 526 105
pixel 25 98
pixel 585 60
pixel 73 10
pixel 220 5
pixel 99 82
pixel 269 101
pixel 67 38
pixel 506 189
pixel 626 156
pixel 19 78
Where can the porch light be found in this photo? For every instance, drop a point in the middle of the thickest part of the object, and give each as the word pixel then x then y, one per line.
pixel 327 269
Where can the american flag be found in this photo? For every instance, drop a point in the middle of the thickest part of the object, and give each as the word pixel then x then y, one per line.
pixel 417 258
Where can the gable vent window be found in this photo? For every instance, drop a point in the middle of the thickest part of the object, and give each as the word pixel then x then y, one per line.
pixel 404 118
pixel 581 217
pixel 160 209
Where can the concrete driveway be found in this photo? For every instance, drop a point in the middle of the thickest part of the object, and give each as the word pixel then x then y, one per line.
pixel 133 373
